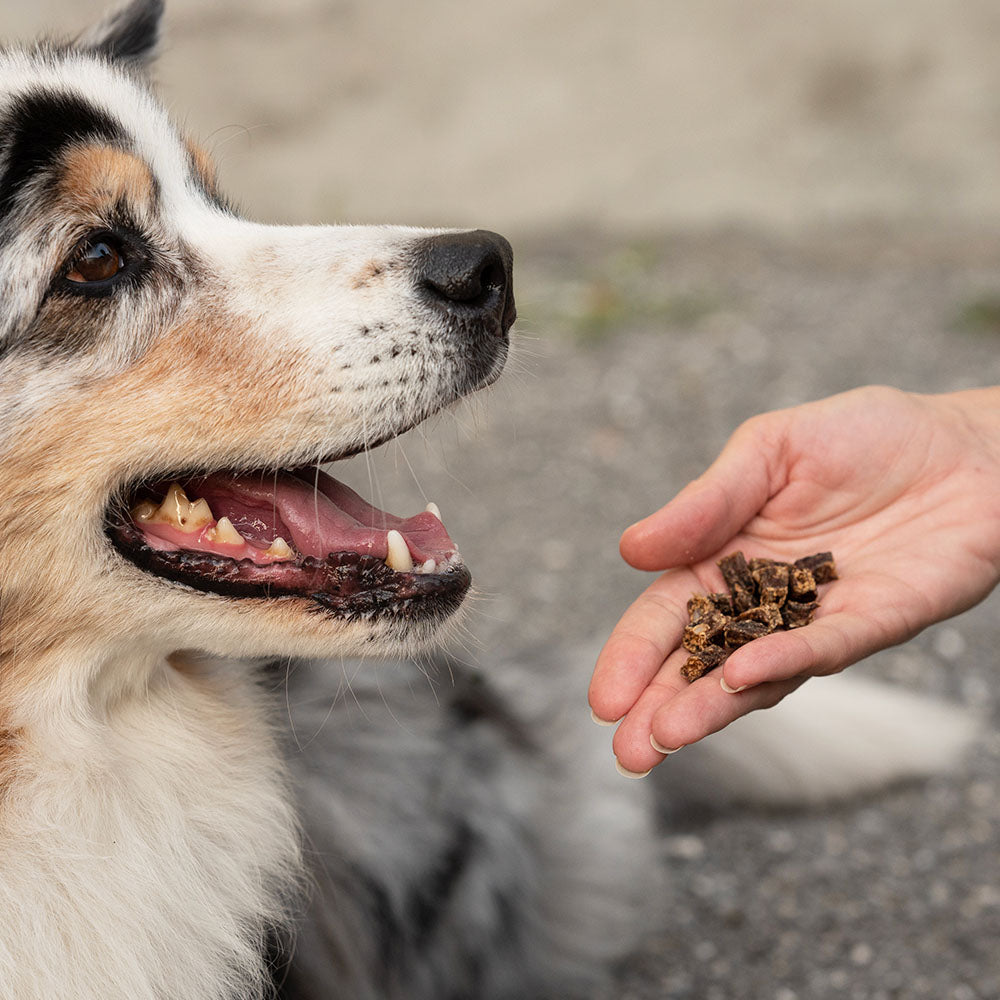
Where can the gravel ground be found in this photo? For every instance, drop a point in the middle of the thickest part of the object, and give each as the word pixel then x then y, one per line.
pixel 635 361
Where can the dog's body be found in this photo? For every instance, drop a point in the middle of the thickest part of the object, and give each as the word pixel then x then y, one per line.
pixel 158 831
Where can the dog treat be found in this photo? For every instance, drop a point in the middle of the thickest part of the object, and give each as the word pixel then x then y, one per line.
pixel 820 565
pixel 765 596
pixel 706 632
pixel 700 607
pixel 739 633
pixel 739 580
pixel 801 584
pixel 704 660
pixel 771 583
pixel 723 603
pixel 798 613
pixel 766 614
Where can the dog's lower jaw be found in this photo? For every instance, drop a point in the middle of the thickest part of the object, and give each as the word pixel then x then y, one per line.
pixel 143 821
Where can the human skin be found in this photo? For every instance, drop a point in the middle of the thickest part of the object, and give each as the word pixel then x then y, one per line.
pixel 904 489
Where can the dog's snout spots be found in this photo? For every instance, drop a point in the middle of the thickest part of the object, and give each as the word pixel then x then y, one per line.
pixel 468 272
pixel 368 274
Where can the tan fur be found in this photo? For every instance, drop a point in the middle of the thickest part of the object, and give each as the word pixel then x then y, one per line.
pixel 95 177
pixel 372 270
pixel 205 166
pixel 202 395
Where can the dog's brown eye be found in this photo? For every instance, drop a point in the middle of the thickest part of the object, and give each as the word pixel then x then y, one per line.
pixel 99 260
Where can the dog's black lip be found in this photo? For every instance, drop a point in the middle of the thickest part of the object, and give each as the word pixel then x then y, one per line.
pixel 343 584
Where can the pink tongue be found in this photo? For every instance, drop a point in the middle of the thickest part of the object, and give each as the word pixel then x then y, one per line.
pixel 316 516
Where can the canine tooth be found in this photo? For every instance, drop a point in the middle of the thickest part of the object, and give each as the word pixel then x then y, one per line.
pixel 432 508
pixel 399 558
pixel 225 533
pixel 278 549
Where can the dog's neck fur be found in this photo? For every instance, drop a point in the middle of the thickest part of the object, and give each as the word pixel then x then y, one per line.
pixel 163 822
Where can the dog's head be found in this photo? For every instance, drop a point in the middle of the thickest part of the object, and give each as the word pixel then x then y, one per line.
pixel 171 376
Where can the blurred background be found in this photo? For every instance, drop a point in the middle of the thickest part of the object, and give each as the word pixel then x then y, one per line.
pixel 716 209
pixel 639 115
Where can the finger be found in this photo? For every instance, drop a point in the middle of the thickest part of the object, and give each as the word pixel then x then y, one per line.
pixel 631 743
pixel 676 713
pixel 824 646
pixel 712 509
pixel 707 709
pixel 649 630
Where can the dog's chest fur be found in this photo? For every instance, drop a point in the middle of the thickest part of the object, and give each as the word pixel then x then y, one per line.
pixel 144 850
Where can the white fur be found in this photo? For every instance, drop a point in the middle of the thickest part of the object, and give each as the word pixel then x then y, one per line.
pixel 146 844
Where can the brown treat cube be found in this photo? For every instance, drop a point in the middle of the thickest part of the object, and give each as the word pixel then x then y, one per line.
pixel 735 571
pixel 798 613
pixel 739 633
pixel 701 662
pixel 821 565
pixel 723 603
pixel 742 598
pixel 772 583
pixel 765 614
pixel 705 633
pixel 758 562
pixel 801 585
pixel 699 607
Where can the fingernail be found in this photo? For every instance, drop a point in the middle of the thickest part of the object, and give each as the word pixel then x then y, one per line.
pixel 662 749
pixel 599 720
pixel 731 690
pixel 626 773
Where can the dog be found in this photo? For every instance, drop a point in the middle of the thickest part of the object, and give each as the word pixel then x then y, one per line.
pixel 182 584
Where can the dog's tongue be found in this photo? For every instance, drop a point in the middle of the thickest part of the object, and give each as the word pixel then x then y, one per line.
pixel 316 516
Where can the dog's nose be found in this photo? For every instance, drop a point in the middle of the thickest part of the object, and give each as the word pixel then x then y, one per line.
pixel 470 273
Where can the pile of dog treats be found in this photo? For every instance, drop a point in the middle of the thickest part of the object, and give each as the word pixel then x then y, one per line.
pixel 765 596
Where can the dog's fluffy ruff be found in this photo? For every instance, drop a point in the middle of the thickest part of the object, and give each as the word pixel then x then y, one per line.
pixel 147 844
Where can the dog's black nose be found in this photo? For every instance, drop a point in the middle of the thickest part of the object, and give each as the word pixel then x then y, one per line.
pixel 469 273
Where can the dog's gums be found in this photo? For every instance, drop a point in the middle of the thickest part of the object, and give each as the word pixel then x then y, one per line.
pixel 285 534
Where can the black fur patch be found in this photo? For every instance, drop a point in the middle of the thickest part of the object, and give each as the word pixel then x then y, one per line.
pixel 37 129
pixel 132 34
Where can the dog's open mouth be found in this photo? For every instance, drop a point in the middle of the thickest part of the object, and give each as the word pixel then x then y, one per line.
pixel 289 534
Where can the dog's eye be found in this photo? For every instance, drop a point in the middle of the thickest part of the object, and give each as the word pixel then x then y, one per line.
pixel 100 258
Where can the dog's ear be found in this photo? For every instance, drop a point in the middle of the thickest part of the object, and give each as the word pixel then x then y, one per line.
pixel 129 35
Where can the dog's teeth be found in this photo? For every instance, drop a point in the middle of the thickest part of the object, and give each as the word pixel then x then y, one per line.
pixel 432 508
pixel 428 567
pixel 278 549
pixel 225 534
pixel 176 510
pixel 199 516
pixel 144 510
pixel 399 558
pixel 175 503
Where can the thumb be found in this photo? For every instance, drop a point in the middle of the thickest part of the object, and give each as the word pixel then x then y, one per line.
pixel 713 508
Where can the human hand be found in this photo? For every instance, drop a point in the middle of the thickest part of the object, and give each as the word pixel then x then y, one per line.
pixel 903 489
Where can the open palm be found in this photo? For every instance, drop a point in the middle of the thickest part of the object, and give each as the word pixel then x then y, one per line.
pixel 903 489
